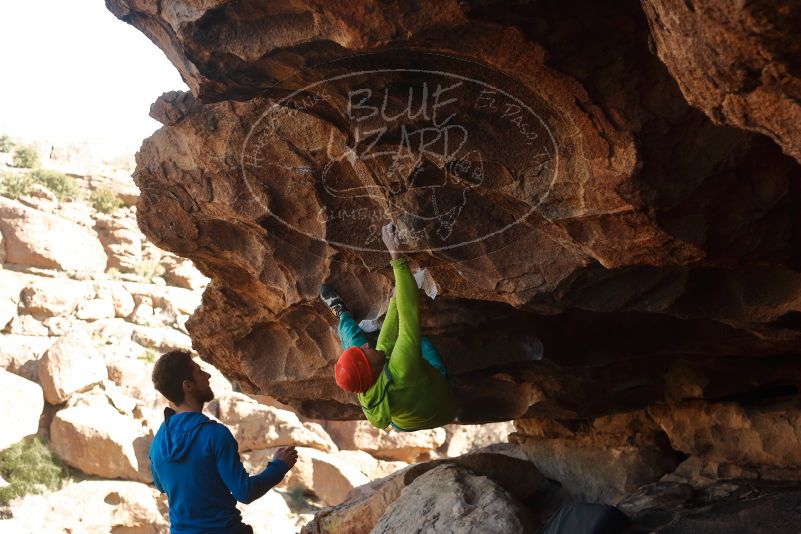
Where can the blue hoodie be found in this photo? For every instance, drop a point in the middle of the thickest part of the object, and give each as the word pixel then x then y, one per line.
pixel 195 461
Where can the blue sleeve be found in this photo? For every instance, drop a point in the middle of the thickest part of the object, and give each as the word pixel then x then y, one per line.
pixel 156 481
pixel 244 488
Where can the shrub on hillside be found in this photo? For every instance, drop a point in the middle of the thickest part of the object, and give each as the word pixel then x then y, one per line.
pixel 105 200
pixel 149 270
pixel 6 144
pixel 29 467
pixel 15 185
pixel 63 186
pixel 25 157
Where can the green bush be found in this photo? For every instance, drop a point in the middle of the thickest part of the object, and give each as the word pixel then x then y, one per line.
pixel 25 157
pixel 149 270
pixel 6 144
pixel 15 185
pixel 105 200
pixel 63 186
pixel 29 467
pixel 149 356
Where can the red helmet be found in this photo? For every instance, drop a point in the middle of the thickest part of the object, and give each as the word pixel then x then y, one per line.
pixel 353 371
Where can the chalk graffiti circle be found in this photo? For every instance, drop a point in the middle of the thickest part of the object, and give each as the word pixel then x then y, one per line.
pixel 456 153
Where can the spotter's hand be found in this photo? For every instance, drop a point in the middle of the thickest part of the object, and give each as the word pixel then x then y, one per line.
pixel 288 455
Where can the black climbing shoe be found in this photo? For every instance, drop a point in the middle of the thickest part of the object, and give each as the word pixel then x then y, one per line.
pixel 332 299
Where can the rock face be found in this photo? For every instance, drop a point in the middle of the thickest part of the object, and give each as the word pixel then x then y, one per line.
pixel 21 403
pixel 328 476
pixel 388 444
pixel 601 203
pixel 366 505
pixel 70 365
pixel 92 506
pixel 597 462
pixel 51 297
pixel 32 237
pixel 451 499
pixel 100 441
pixel 256 426
pixel 736 62
pixel 587 218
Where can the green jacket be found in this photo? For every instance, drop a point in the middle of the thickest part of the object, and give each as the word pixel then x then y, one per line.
pixel 409 393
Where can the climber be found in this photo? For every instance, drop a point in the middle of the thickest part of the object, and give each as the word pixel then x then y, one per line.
pixel 402 381
pixel 195 460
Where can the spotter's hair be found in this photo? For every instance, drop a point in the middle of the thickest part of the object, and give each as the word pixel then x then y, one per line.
pixel 169 373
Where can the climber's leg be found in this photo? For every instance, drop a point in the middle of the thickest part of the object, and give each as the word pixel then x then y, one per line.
pixel 350 335
pixel 431 355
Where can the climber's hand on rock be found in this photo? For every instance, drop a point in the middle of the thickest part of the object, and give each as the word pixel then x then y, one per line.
pixel 389 234
pixel 288 455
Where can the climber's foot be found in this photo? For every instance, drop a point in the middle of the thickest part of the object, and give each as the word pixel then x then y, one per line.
pixel 332 299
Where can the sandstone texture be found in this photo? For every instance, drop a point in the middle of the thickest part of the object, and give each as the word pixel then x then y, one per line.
pixel 36 238
pixel 365 506
pixel 256 426
pixel 93 507
pixel 388 444
pixel 451 499
pixel 639 234
pixel 71 364
pixel 738 63
pixel 100 441
pixel 600 202
pixel 21 404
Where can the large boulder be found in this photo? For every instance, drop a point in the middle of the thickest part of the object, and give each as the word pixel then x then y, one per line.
pixel 450 498
pixel 716 508
pixel 257 426
pixel 462 439
pixel 92 507
pixel 99 440
pixel 20 354
pixel 133 376
pixel 388 444
pixel 185 274
pixel 163 339
pixel 52 297
pixel 758 438
pixel 122 299
pixel 329 476
pixel 268 514
pixel 122 242
pixel 94 309
pixel 601 460
pixel 27 325
pixel 70 365
pixel 365 505
pixel 40 239
pixel 21 404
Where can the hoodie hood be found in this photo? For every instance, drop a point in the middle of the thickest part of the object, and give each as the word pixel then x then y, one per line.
pixel 178 433
pixel 375 401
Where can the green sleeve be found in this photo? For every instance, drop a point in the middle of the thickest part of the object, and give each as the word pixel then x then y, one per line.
pixel 406 359
pixel 389 330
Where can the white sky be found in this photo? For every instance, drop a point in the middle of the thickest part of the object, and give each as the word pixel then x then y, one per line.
pixel 70 71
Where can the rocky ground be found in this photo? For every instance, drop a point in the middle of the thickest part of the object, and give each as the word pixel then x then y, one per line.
pixel 86 305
